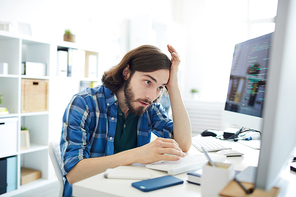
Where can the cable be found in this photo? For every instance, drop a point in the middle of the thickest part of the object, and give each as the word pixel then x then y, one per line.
pixel 241 185
pixel 235 137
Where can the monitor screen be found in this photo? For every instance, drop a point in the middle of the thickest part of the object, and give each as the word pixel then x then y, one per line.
pixel 247 82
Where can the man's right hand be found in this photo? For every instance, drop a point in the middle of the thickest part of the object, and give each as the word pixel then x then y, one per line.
pixel 160 149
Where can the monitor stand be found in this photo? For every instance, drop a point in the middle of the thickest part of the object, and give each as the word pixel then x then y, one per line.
pixel 249 175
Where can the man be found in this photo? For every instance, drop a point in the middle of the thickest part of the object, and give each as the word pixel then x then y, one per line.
pixel 111 125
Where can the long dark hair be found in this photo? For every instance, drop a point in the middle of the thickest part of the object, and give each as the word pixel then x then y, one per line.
pixel 145 58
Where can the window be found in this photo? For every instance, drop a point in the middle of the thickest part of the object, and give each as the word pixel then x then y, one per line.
pixel 226 23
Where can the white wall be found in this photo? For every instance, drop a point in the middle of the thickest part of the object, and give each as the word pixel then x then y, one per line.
pixel 99 23
pixel 104 24
pixel 208 35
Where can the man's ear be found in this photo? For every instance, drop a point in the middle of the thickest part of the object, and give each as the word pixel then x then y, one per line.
pixel 126 72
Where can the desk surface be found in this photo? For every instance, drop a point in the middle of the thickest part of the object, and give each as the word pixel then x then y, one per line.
pixel 100 186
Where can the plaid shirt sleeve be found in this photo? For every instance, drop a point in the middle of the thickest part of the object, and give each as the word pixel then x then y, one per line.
pixel 77 120
pixel 162 126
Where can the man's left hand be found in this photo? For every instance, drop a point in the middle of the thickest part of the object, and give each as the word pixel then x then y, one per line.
pixel 175 59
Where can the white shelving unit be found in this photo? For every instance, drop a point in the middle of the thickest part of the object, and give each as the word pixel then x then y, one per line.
pixel 44 126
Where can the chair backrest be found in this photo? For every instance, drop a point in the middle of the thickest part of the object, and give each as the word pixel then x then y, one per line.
pixel 55 156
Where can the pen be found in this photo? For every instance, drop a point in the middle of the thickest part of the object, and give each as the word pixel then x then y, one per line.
pixel 208 156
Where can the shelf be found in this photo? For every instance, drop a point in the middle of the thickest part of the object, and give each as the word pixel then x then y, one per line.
pixel 34 77
pixel 38 182
pixel 72 45
pixel 8 115
pixel 35 113
pixel 7 35
pixel 9 76
pixel 33 40
pixel 42 125
pixel 68 45
pixel 24 76
pixel 8 155
pixel 34 148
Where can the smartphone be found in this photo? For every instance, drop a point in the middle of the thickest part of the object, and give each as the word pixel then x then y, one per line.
pixel 157 183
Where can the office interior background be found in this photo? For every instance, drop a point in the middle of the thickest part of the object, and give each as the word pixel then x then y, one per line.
pixel 204 33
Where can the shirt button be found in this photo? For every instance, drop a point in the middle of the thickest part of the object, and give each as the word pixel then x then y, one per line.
pixel 124 126
pixel 107 103
pixel 110 138
pixel 120 114
pixel 112 118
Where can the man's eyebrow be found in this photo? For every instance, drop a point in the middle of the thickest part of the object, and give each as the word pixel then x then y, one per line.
pixel 154 79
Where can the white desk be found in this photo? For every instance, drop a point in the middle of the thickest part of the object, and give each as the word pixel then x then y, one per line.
pixel 100 186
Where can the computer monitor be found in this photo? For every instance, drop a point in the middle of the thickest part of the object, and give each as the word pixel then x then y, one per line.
pixel 278 138
pixel 278 116
pixel 247 83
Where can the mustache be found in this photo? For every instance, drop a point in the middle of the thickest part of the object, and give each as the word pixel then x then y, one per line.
pixel 145 101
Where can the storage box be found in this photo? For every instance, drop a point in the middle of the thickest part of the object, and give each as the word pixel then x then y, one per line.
pixel 8 136
pixel 3 175
pixel 28 175
pixel 11 173
pixel 34 95
pixel 3 68
pixel 33 69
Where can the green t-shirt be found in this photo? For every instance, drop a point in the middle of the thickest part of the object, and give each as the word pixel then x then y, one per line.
pixel 126 132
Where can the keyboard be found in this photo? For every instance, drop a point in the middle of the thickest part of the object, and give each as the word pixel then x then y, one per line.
pixel 185 164
pixel 211 144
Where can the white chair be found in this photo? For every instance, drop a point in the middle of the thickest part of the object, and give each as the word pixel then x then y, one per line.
pixel 55 156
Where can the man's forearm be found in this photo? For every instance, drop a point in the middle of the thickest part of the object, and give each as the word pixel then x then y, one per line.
pixel 157 150
pixel 182 126
pixel 92 166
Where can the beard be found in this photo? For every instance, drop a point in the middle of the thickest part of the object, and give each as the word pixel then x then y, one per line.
pixel 130 98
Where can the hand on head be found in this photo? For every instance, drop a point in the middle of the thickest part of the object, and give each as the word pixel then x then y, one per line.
pixel 175 59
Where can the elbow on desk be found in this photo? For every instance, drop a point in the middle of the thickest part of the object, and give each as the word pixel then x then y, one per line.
pixel 185 148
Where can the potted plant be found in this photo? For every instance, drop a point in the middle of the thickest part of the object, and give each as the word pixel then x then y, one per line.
pixel 68 36
pixel 3 110
pixel 194 93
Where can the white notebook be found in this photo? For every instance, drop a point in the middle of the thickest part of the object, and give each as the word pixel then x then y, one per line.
pixel 186 164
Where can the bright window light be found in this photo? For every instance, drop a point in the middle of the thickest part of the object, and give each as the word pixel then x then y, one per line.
pixel 262 9
pixel 260 29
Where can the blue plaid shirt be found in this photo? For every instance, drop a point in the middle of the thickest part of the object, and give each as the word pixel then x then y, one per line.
pixel 89 125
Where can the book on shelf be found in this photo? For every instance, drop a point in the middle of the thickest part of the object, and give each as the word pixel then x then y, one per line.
pixel 3 110
pixel 70 62
pixel 91 64
pixel 62 63
pixel 77 62
pixel 3 175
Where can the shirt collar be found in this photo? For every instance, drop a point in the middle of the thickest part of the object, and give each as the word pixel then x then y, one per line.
pixel 110 97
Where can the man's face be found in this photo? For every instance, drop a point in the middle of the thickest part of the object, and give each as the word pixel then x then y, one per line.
pixel 143 88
